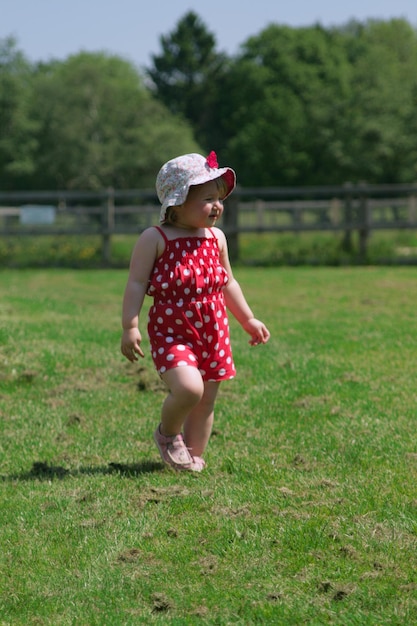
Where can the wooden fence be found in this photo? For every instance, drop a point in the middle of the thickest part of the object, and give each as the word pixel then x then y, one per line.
pixel 346 209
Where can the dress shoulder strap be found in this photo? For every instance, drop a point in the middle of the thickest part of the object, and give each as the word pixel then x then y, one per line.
pixel 213 234
pixel 162 233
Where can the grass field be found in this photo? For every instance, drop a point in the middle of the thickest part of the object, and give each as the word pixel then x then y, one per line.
pixel 307 512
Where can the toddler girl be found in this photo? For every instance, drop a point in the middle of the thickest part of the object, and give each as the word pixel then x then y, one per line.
pixel 184 265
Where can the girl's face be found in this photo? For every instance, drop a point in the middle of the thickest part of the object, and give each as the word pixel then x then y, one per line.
pixel 202 208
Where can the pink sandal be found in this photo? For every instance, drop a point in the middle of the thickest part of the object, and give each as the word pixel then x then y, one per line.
pixel 198 464
pixel 175 453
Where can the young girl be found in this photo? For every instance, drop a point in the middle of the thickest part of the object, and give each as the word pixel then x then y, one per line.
pixel 184 265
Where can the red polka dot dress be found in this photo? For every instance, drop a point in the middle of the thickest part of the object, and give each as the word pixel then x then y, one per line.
pixel 188 323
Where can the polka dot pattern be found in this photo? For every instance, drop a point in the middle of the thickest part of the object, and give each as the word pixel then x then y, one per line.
pixel 188 323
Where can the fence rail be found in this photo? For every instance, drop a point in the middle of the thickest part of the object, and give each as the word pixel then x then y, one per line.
pixel 347 209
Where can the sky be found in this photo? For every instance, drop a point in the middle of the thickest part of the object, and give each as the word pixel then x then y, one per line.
pixel 55 29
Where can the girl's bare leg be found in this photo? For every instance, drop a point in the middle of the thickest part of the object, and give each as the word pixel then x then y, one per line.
pixel 199 421
pixel 186 390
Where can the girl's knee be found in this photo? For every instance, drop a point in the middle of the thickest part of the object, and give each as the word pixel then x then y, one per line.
pixel 191 394
pixel 185 382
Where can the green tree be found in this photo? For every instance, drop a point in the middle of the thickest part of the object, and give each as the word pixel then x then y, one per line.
pixel 315 106
pixel 18 131
pixel 301 106
pixel 382 143
pixel 188 75
pixel 285 93
pixel 99 126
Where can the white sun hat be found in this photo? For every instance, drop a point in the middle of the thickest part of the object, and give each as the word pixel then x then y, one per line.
pixel 177 175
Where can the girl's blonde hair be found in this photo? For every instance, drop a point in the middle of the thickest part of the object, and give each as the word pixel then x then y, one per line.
pixel 171 213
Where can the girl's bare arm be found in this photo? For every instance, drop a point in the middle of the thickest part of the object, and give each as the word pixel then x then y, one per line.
pixel 236 301
pixel 146 250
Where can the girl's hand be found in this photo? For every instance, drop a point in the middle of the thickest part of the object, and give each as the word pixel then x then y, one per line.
pixel 257 330
pixel 130 344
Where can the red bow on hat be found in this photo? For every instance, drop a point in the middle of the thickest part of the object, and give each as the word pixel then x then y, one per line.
pixel 212 160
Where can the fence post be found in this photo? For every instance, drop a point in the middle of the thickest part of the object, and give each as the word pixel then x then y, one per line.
pixel 347 238
pixel 107 227
pixel 230 220
pixel 364 223
pixel 412 209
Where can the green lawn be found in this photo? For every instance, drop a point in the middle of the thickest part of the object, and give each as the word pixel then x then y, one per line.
pixel 307 512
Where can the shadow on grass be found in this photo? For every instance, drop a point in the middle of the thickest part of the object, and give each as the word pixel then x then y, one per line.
pixel 43 471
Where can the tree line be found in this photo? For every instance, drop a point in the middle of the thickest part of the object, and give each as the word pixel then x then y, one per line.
pixel 294 107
